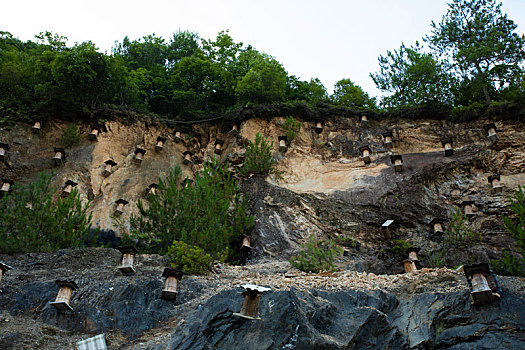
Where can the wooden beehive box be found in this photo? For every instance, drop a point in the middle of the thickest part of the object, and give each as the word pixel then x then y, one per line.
pixel 139 155
pixel 365 153
pixel 60 155
pixel 282 143
pixel 108 167
pixel 173 277
pixel 120 206
pixel 252 296
pixel 4 148
pixel 126 260
pixel 482 282
pixel 495 181
pixel 160 143
pixel 218 146
pixel 447 143
pixel 187 157
pixel 65 292
pixel 397 161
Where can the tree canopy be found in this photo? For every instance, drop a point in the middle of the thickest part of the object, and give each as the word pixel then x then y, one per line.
pixel 413 78
pixel 481 42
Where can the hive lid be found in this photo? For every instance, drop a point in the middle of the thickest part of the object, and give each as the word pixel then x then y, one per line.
pixel 67 283
pixel 282 137
pixel 387 223
pixel 363 148
pixel 489 126
pixel 395 157
pixel 413 249
pixel 5 267
pixel 110 162
pixel 59 149
pixel 187 152
pixel 4 146
pixel 484 268
pixel 171 272
pixel 71 182
pixel 219 142
pixel 161 139
pixel 255 288
pixel 446 140
pixel 9 181
pixel 140 150
pixel 121 201
pixel 435 221
pixel 128 249
pixel 494 177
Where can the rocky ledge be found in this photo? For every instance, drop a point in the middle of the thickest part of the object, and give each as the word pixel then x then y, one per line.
pixel 429 309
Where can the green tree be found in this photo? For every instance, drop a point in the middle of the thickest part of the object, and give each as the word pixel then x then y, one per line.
pixel 316 256
pixel 481 41
pixel 264 80
pixel 208 214
pixel 259 158
pixel 513 262
pixel 32 220
pixel 412 78
pixel 312 91
pixel 347 94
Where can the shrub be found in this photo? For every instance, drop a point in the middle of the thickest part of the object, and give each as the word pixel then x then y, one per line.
pixel 291 126
pixel 259 158
pixel 190 259
pixel 461 232
pixel 31 220
pixel 209 214
pixel 400 247
pixel 316 256
pixel 70 135
pixel 513 262
pixel 349 242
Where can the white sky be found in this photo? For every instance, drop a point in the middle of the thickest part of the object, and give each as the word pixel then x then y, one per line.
pixel 331 39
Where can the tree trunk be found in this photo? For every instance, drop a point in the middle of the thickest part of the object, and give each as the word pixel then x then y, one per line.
pixel 484 82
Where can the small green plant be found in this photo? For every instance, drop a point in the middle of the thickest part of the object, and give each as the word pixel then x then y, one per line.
pixel 189 258
pixel 291 126
pixel 349 242
pixel 70 135
pixel 435 259
pixel 400 247
pixel 513 262
pixel 316 256
pixel 461 232
pixel 259 158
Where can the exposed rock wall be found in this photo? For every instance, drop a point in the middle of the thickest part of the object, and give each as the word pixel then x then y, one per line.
pixel 325 190
pixel 346 310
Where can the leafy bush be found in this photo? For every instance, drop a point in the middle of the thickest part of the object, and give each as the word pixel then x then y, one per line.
pixel 291 126
pixel 349 242
pixel 70 135
pixel 316 256
pixel 190 259
pixel 514 262
pixel 209 214
pixel 259 158
pixel 461 232
pixel 400 247
pixel 31 220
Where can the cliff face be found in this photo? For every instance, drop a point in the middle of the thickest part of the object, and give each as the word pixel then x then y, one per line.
pixel 325 190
